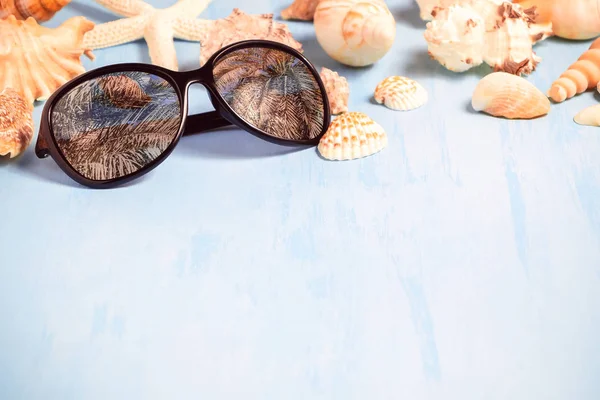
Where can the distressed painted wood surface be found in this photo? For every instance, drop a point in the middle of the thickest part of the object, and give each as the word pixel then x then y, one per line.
pixel 462 262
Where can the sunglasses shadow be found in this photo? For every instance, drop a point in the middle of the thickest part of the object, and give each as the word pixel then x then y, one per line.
pixel 46 170
pixel 222 143
pixel 232 143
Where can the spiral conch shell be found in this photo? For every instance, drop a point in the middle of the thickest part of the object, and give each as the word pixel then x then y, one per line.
pixel 571 19
pixel 400 93
pixel 496 32
pixel 505 95
pixel 40 10
pixel 582 75
pixel 354 32
pixel 16 123
pixel 352 135
pixel 35 60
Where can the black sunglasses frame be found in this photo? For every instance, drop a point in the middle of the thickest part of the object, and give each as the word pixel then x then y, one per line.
pixel 223 115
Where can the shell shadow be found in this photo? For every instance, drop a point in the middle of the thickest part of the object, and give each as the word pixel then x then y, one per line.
pixel 408 15
pixel 422 65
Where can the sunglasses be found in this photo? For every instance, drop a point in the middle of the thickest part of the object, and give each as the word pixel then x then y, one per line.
pixel 116 123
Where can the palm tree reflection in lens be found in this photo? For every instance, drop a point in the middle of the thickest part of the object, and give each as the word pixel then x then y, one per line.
pixel 114 125
pixel 271 90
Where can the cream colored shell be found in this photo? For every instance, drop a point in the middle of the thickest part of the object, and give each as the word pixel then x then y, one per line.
pixel 400 93
pixel 354 32
pixel 589 116
pixel 455 38
pixel 499 33
pixel 427 7
pixel 350 136
pixel 40 10
pixel 35 60
pixel 16 123
pixel 506 95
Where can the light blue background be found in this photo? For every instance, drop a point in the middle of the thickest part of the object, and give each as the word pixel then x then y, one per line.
pixel 462 262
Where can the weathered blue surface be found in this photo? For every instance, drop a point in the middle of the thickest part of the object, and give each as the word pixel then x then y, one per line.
pixel 462 262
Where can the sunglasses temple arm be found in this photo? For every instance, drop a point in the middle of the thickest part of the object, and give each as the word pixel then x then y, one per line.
pixel 199 123
pixel 41 147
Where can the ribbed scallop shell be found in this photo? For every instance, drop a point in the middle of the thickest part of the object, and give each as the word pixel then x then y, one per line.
pixel 352 135
pixel 40 10
pixel 400 93
pixel 354 32
pixel 506 95
pixel 35 60
pixel 16 123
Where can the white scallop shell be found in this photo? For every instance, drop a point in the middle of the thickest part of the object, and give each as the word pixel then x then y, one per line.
pixel 400 93
pixel 352 135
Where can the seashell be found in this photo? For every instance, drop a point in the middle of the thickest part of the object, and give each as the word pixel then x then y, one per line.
pixel 583 75
pixel 241 26
pixel 499 33
pixel 506 95
pixel 354 32
pixel 455 38
pixel 303 10
pixel 588 116
pixel 570 19
pixel 350 136
pixel 123 92
pixel 400 93
pixel 337 90
pixel 35 60
pixel 40 10
pixel 426 7
pixel 16 123
pixel 489 11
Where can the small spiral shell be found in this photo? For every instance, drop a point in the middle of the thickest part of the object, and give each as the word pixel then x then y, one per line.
pixel 583 75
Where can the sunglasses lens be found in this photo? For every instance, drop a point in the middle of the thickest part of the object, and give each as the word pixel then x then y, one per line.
pixel 273 91
pixel 114 125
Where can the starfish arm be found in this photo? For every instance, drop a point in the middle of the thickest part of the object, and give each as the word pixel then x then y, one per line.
pixel 115 32
pixel 191 29
pixel 126 8
pixel 189 8
pixel 159 37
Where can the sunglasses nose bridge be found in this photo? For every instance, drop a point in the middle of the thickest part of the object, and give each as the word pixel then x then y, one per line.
pixel 202 76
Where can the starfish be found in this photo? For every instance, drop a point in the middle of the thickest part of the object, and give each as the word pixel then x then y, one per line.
pixel 157 26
